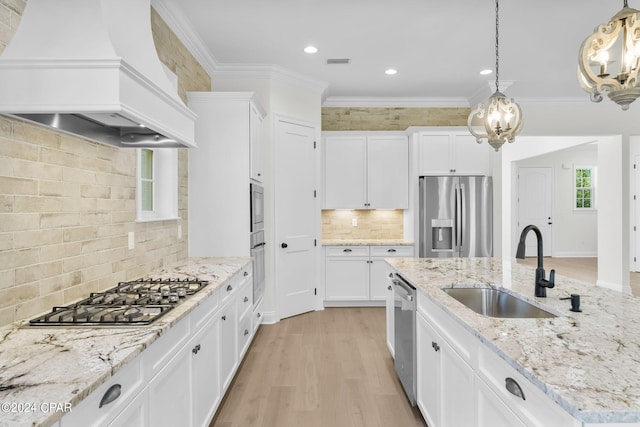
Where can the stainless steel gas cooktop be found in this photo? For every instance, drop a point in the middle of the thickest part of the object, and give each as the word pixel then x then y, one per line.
pixel 138 302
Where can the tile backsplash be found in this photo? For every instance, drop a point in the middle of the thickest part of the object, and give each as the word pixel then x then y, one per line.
pixel 371 224
pixel 67 205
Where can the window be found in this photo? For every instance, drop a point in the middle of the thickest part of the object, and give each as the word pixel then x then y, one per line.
pixel 157 187
pixel 584 187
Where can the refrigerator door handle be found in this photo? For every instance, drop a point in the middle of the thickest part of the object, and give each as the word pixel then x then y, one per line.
pixel 458 218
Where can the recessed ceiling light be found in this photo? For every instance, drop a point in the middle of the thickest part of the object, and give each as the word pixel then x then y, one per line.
pixel 486 72
pixel 391 71
pixel 311 49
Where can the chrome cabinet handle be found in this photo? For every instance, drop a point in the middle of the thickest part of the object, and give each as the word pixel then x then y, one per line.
pixel 391 250
pixel 435 346
pixel 246 299
pixel 284 246
pixel 390 275
pixel 246 273
pixel 513 387
pixel 229 288
pixel 224 317
pixel 258 316
pixel 347 250
pixel 246 332
pixel 110 395
pixel 389 287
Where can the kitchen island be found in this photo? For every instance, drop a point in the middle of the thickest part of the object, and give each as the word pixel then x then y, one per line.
pixel 588 363
pixel 45 372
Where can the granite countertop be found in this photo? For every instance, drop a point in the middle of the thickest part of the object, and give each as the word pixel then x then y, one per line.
pixel 64 365
pixel 588 362
pixel 366 242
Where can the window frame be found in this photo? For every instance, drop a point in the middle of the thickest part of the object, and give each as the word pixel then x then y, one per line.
pixel 164 180
pixel 593 188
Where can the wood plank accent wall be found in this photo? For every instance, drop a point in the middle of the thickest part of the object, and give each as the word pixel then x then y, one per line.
pixel 368 118
pixel 66 204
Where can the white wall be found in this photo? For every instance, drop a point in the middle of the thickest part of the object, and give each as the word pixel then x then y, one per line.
pixel 574 233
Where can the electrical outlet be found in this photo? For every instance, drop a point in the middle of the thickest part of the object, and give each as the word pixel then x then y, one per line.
pixel 354 222
pixel 132 240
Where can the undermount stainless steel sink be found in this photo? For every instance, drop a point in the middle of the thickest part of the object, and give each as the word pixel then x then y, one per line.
pixel 496 303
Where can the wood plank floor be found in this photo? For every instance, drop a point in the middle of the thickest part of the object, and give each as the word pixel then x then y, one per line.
pixel 585 269
pixel 324 368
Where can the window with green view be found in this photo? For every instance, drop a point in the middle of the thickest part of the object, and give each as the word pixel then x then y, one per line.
pixel 585 183
pixel 146 179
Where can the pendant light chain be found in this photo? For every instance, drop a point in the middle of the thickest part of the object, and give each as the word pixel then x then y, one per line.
pixel 497 45
pixel 625 3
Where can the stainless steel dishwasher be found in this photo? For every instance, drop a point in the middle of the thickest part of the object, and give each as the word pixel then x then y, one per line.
pixel 404 313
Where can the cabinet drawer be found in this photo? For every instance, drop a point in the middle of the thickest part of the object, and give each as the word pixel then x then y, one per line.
pixel 245 331
pixel 89 412
pixel 347 251
pixel 257 317
pixel 245 298
pixel 462 341
pixel 536 409
pixel 392 251
pixel 201 314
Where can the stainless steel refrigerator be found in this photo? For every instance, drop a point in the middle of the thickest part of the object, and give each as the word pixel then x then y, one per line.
pixel 456 216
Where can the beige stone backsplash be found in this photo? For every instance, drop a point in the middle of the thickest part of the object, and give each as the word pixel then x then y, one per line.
pixel 372 224
pixel 66 204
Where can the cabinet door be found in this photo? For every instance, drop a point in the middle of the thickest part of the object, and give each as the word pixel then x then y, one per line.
pixel 228 343
pixel 170 393
pixel 428 366
pixel 256 149
pixel 470 157
pixel 345 173
pixel 435 155
pixel 134 415
pixel 346 278
pixel 379 279
pixel 388 172
pixel 205 381
pixel 492 412
pixel 458 408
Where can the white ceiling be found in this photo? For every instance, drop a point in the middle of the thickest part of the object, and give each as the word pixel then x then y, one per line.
pixel 437 46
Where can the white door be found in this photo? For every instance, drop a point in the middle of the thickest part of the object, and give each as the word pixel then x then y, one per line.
pixel 635 228
pixel 535 194
pixel 296 218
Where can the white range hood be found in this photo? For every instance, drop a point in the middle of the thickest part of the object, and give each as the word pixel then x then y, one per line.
pixel 90 68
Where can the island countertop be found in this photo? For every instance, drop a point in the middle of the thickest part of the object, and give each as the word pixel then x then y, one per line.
pixel 63 365
pixel 587 362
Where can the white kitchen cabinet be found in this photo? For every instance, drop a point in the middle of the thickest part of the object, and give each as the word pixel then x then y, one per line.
pixel 492 412
pixel 205 380
pixel 170 393
pixel 365 170
pixel 390 303
pixel 428 368
pixel 135 414
pixel 358 273
pixel 452 153
pixel 256 143
pixel 220 169
pixel 228 342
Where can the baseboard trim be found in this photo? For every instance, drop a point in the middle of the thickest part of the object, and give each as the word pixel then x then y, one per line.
pixel 575 255
pixel 355 303
pixel 613 286
pixel 269 318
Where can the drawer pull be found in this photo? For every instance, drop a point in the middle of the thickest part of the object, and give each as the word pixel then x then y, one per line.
pixel 224 317
pixel 229 288
pixel 514 387
pixel 391 250
pixel 246 332
pixel 389 287
pixel 390 275
pixel 110 395
pixel 246 273
pixel 347 250
pixel 246 299
pixel 258 316
pixel 435 346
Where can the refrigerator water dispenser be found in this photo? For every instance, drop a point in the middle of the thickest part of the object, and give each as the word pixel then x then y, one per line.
pixel 442 234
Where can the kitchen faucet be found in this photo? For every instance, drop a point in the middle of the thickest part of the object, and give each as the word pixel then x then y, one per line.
pixel 541 282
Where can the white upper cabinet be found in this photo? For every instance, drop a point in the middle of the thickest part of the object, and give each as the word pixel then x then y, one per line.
pixel 452 153
pixel 256 143
pixel 366 170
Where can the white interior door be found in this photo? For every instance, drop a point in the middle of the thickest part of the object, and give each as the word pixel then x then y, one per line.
pixel 296 218
pixel 535 195
pixel 635 227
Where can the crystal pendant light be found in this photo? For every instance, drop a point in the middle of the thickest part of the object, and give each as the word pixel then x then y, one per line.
pixel 608 60
pixel 498 119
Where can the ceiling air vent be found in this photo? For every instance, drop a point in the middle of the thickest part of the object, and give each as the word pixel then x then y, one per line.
pixel 333 61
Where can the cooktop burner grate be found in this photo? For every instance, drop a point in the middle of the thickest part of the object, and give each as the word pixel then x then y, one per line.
pixel 137 302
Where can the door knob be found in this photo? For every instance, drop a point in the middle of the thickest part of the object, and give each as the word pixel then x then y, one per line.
pixel 284 246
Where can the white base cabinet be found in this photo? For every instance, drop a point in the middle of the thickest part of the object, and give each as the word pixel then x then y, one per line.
pixel 181 378
pixel 390 303
pixel 358 275
pixel 461 382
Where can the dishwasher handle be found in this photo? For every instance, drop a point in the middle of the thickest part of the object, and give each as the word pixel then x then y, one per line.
pixel 403 289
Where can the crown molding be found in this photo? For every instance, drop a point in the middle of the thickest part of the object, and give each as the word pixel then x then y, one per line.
pixel 395 102
pixel 182 28
pixel 268 71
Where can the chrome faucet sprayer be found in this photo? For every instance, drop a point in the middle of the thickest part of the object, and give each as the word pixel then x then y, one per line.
pixel 541 282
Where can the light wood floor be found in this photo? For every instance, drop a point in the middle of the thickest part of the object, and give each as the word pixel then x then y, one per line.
pixel 324 368
pixel 585 269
